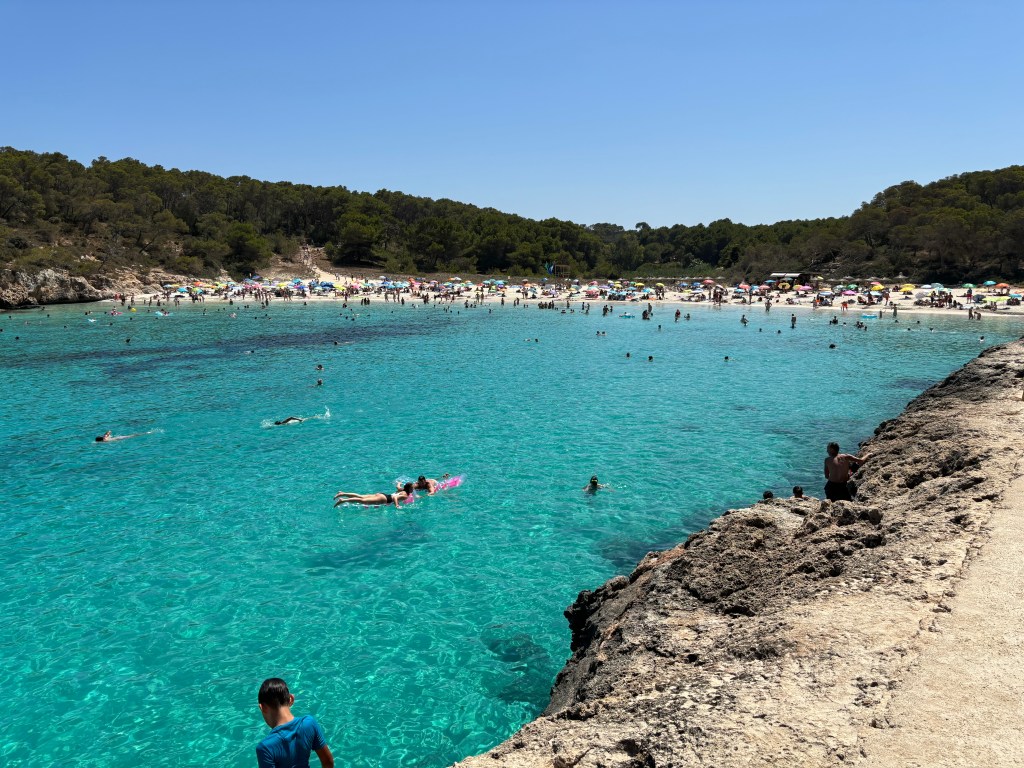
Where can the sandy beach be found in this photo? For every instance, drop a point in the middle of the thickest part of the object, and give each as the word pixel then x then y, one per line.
pixel 664 308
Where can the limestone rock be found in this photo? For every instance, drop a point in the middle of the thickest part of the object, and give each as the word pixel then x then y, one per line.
pixel 777 635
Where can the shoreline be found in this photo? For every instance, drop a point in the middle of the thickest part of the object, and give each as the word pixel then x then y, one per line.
pixel 801 632
pixel 904 309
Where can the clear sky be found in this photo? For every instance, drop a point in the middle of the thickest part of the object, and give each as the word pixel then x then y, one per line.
pixel 592 111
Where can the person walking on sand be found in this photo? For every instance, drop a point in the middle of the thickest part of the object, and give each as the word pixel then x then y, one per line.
pixel 838 469
pixel 291 739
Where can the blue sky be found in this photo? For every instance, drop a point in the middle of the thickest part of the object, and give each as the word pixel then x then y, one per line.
pixel 664 112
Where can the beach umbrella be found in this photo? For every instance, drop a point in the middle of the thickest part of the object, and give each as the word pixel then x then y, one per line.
pixel 709 281
pixel 1016 296
pixel 852 285
pixel 784 286
pixel 770 282
pixel 741 286
pixel 907 287
pixel 825 293
pixel 662 285
pixel 998 298
pixel 849 293
pixel 926 287
pixel 1002 285
pixel 969 285
pixel 989 282
pixel 937 285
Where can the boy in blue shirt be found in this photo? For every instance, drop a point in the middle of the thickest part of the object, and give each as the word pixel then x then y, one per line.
pixel 291 738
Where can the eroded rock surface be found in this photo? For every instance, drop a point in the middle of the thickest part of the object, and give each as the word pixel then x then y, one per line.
pixel 778 635
pixel 20 290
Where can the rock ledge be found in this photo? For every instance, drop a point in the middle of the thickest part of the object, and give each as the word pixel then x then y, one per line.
pixel 778 635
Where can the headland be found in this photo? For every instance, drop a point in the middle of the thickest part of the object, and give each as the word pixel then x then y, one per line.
pixel 883 632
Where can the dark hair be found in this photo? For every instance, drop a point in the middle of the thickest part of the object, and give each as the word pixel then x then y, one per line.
pixel 798 490
pixel 421 479
pixel 408 487
pixel 768 495
pixel 593 480
pixel 274 692
pixel 832 446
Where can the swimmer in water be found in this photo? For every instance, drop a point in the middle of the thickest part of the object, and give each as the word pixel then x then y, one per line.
pixel 423 483
pixel 110 437
pixel 593 486
pixel 289 420
pixel 374 499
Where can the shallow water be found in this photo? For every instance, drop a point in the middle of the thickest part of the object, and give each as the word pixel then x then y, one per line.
pixel 154 582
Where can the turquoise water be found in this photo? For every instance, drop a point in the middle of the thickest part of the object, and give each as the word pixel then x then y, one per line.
pixel 153 583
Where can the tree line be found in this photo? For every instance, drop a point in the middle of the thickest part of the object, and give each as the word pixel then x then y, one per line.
pixel 55 211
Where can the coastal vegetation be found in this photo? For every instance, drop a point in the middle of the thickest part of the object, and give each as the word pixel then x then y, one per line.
pixel 111 214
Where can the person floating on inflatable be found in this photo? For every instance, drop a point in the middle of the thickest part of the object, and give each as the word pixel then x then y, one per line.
pixel 428 484
pixel 374 499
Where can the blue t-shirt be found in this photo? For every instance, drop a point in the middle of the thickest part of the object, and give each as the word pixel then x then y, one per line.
pixel 289 745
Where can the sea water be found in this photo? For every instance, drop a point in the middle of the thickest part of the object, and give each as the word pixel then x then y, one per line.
pixel 152 583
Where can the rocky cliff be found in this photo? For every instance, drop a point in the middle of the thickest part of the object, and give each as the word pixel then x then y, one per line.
pixel 779 635
pixel 20 289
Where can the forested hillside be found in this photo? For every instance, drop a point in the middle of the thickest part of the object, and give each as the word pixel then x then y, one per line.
pixel 56 212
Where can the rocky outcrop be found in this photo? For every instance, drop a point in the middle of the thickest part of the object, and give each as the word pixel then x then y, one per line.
pixel 48 286
pixel 778 635
pixel 20 290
